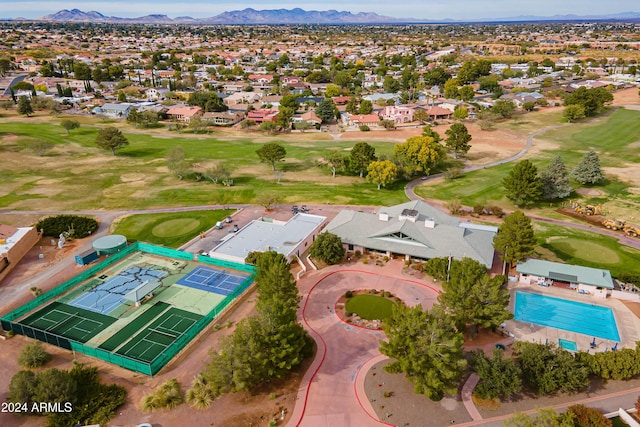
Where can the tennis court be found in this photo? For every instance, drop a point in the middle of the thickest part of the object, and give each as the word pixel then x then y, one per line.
pixel 109 295
pixel 159 335
pixel 70 322
pixel 212 280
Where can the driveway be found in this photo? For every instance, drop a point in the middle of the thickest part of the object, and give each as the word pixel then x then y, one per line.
pixel 331 394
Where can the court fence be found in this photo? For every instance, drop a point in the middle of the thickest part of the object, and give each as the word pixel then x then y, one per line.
pixel 148 368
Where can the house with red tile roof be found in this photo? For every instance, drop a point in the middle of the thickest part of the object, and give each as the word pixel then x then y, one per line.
pixel 262 115
pixel 362 119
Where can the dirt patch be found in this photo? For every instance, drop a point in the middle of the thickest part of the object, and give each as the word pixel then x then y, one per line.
pixel 590 192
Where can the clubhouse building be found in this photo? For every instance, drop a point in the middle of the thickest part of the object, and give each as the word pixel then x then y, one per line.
pixel 414 230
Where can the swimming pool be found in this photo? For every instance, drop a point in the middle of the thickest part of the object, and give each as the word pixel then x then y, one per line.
pixel 587 319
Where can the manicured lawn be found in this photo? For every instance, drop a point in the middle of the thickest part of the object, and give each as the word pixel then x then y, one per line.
pixel 370 307
pixel 75 174
pixel 168 229
pixel 615 138
pixel 588 249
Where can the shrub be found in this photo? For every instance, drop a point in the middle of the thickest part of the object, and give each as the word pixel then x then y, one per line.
pixel 454 206
pixel 348 294
pixel 452 173
pixel 328 248
pixel 201 394
pixel 385 258
pixel 388 394
pixel 478 209
pixel 168 396
pixel 437 268
pixel 33 355
pixel 348 313
pixel 497 211
pixel 358 254
pixel 364 128
pixel 77 226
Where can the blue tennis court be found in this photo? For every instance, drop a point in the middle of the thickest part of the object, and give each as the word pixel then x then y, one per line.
pixel 588 319
pixel 212 280
pixel 109 295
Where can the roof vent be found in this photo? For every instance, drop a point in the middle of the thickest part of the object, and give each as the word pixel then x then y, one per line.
pixel 383 216
pixel 430 223
pixel 410 214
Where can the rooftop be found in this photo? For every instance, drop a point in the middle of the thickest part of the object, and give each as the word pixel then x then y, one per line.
pixel 567 272
pixel 9 236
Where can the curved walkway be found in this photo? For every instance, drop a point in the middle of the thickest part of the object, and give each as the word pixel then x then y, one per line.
pixel 332 391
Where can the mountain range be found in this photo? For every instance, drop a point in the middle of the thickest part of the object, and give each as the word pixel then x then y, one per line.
pixel 300 16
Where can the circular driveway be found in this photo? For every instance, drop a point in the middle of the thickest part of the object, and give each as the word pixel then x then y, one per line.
pixel 331 394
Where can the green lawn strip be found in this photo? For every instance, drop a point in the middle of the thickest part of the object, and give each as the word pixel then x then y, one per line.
pixel 370 307
pixel 169 229
pixel 581 247
pixel 167 320
pixel 134 326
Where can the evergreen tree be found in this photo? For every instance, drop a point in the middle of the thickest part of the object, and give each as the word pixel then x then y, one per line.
pixel 499 377
pixel 325 110
pixel 523 184
pixel 458 139
pixel 24 106
pixel 362 154
pixel 427 347
pixel 110 138
pixel 428 131
pixel 588 170
pixel 555 180
pixel 515 239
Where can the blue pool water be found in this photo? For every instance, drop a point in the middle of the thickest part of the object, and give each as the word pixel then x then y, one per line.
pixel 567 344
pixel 587 319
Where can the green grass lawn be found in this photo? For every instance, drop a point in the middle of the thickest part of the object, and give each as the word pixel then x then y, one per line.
pixel 75 174
pixel 614 137
pixel 168 229
pixel 584 248
pixel 370 307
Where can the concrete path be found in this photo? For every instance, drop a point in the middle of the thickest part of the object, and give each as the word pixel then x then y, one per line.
pixel 467 392
pixel 332 392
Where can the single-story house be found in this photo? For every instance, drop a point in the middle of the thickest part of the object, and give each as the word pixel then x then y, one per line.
pixel 414 230
pixel 262 115
pixel 184 113
pixel 113 110
pixel 361 119
pixel 242 97
pixel 584 280
pixel 224 117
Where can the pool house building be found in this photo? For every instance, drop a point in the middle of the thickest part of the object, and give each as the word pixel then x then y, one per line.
pixel 584 280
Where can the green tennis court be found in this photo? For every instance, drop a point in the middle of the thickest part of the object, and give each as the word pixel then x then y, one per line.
pixel 70 322
pixel 136 325
pixel 159 335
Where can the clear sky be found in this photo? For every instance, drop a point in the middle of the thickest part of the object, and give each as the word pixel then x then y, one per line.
pixel 423 9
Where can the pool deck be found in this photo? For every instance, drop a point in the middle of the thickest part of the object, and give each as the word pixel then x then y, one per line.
pixel 628 324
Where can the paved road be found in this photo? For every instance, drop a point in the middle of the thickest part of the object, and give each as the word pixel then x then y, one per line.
pixel 13 82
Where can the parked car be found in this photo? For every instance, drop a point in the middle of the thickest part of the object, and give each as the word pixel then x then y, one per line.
pixel 219 225
pixel 228 220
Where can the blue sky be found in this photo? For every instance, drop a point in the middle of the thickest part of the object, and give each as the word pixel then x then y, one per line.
pixel 427 9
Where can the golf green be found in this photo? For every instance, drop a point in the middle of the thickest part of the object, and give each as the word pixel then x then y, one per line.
pixel 585 250
pixel 175 227
pixel 370 307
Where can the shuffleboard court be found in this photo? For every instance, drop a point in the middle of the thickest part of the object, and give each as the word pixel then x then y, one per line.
pixel 68 321
pixel 213 280
pixel 110 295
pixel 159 335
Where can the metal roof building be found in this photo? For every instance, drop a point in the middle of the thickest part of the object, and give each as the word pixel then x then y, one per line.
pixel 415 229
pixel 566 273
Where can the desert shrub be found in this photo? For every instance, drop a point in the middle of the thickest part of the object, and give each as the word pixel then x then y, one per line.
pixel 348 294
pixel 200 395
pixel 77 226
pixel 454 206
pixel 478 209
pixel 497 211
pixel 452 173
pixel 364 128
pixel 33 355
pixel 169 396
pixel 358 254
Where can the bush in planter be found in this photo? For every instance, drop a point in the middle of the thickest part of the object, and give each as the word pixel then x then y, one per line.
pixel 348 313
pixel 348 294
pixel 358 254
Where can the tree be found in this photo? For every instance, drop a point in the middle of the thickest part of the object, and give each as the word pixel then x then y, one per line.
pixel 33 355
pixel 515 239
pixel 451 88
pixel 555 180
pixel 499 377
pixel 420 115
pixel 574 113
pixel 362 154
pixel 473 299
pixel 22 387
pixel 24 106
pixel 504 108
pixel 382 172
pixel 208 101
pixel 460 113
pixel 428 131
pixel 328 248
pixel 458 139
pixel 220 172
pixel 336 160
pixel 268 126
pixel 523 184
pixel 419 154
pixel 466 93
pixel 529 106
pixel 352 106
pixel 110 138
pixel 268 199
pixel 588 170
pixel 427 347
pixel 40 146
pixel 284 117
pixel 271 153
pixel 331 91
pixel 588 417
pixel 69 124
pixel 543 418
pixel 366 107
pixel 325 110
pixel 592 100
pixel 55 385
